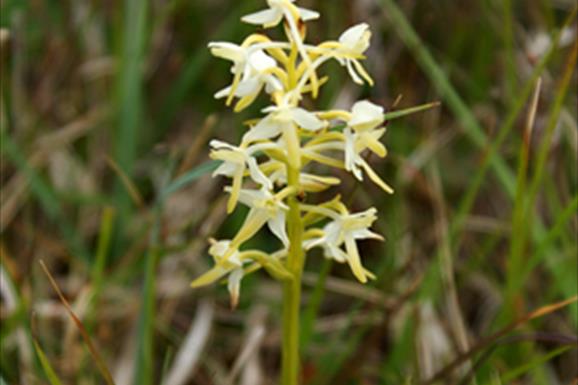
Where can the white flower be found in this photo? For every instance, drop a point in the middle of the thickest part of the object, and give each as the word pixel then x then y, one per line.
pixel 277 10
pixel 281 117
pixel 284 120
pixel 345 229
pixel 232 262
pixel 352 45
pixel 265 208
pixel 236 160
pixel 227 261
pixel 252 70
pixel 362 134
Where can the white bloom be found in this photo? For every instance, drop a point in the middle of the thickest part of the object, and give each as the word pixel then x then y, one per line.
pixel 362 134
pixel 252 70
pixel 284 120
pixel 352 45
pixel 265 208
pixel 281 117
pixel 345 229
pixel 277 10
pixel 227 261
pixel 236 160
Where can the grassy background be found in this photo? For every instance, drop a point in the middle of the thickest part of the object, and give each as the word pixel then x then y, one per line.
pixel 106 112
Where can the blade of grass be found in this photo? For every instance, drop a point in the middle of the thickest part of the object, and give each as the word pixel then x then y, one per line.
pixel 189 177
pixel 517 372
pixel 487 341
pixel 558 270
pixel 46 366
pixel 129 90
pixel 144 361
pixel 510 73
pixel 519 217
pixel 448 93
pixel 103 369
pixel 102 251
pixel 128 184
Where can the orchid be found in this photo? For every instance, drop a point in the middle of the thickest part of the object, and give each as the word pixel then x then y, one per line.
pixel 346 229
pixel 282 160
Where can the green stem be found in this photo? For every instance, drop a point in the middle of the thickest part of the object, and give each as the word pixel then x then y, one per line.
pixel 292 288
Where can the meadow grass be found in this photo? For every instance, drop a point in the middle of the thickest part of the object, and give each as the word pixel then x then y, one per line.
pixel 105 178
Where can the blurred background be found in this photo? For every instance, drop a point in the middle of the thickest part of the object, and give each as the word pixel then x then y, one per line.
pixel 106 113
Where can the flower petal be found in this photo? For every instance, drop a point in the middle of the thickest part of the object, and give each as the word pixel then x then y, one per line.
pixel 277 227
pixel 306 119
pixel 354 259
pixel 265 129
pixel 307 14
pixel 364 114
pixel 209 277
pixel 267 17
pixel 257 175
pixel 375 178
pixel 234 286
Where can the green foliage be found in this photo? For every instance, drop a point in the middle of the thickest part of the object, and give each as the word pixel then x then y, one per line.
pixel 504 223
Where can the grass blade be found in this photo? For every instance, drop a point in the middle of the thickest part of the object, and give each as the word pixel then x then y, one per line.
pixel 130 96
pixel 487 341
pixel 448 93
pixel 190 177
pixel 83 332
pixel 46 366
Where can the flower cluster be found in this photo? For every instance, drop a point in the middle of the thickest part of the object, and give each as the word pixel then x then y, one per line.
pixel 268 169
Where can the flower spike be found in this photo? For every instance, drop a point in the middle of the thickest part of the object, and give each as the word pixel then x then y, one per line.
pixel 283 158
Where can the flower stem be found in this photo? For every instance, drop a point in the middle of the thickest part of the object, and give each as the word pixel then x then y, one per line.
pixel 292 288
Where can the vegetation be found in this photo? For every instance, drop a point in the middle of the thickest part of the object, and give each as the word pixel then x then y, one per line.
pixel 107 200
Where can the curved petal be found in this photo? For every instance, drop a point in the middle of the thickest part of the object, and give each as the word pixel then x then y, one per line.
pixel 375 178
pixel 234 286
pixel 277 227
pixel 260 61
pixel 307 14
pixel 209 277
pixel 334 252
pixel 265 129
pixel 306 119
pixel 365 234
pixel 222 93
pixel 257 175
pixel 253 223
pixel 352 73
pixel 354 259
pixel 228 51
pixel 267 17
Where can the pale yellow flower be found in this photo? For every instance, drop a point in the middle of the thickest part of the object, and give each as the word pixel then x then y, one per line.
pixel 344 230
